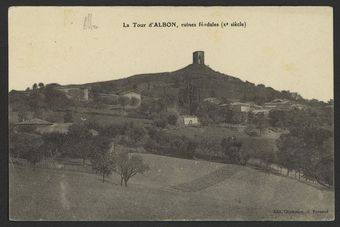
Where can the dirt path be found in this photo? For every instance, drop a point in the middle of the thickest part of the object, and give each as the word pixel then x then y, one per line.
pixel 208 180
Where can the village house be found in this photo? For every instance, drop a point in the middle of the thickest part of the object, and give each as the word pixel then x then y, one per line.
pixel 33 124
pixel 75 92
pixel 213 100
pixel 56 127
pixel 189 120
pixel 109 98
pixel 278 104
pixel 260 111
pixel 240 107
pixel 298 106
pixel 131 94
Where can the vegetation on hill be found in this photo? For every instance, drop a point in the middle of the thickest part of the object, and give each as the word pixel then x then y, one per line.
pixel 194 83
pixel 165 96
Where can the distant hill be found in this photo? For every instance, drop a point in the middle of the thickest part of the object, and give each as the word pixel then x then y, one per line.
pixel 186 87
pixel 209 82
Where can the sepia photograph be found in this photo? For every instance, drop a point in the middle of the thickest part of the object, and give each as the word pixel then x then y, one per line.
pixel 131 113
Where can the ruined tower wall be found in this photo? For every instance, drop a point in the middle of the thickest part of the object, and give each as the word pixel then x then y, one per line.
pixel 198 57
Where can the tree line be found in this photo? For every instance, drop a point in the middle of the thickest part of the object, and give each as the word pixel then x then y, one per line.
pixel 80 142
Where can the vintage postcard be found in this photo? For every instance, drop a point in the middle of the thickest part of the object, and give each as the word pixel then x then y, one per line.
pixel 171 113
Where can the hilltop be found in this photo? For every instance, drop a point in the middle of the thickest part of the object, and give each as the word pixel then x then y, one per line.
pixel 185 88
pixel 209 82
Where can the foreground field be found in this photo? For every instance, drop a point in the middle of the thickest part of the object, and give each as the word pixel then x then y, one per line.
pixel 174 189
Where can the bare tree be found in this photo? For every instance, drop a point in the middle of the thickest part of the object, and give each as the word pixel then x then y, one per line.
pixel 128 166
pixel 104 164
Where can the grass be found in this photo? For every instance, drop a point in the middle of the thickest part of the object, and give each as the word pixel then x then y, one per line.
pixel 174 189
pixel 110 119
pixel 255 145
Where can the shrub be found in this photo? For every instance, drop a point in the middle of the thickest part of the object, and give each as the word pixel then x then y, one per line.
pixel 172 119
pixel 160 122
pixel 68 117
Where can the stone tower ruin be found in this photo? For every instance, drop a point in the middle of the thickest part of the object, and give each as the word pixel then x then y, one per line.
pixel 198 57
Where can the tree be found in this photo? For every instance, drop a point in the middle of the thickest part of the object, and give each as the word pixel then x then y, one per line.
pixel 210 113
pixel 38 113
pixel 102 159
pixel 172 119
pixel 104 163
pixel 128 166
pixel 166 100
pixel 231 149
pixel 287 156
pixel 135 132
pixel 22 116
pixel 54 141
pixel 134 101
pixel 27 146
pixel 324 171
pixel 55 99
pixel 160 122
pixel 41 85
pixel 189 96
pixel 68 117
pixel 112 130
pixel 79 142
pixel 35 154
pixel 150 106
pixel 123 101
pixel 277 118
pixel 36 100
pixel 191 148
pixel 35 86
pixel 261 122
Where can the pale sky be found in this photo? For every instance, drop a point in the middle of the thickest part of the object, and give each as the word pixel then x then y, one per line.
pixel 286 48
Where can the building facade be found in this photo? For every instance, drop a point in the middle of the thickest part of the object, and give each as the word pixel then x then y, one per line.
pixel 189 120
pixel 198 57
pixel 240 107
pixel 75 92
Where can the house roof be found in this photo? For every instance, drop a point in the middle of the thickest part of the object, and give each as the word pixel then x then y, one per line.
pixel 128 92
pixel 187 116
pixel 57 127
pixel 35 121
pixel 239 104
pixel 278 101
pixel 260 111
pixel 108 95
pixel 212 100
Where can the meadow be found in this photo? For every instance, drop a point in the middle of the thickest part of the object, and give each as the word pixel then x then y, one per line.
pixel 173 189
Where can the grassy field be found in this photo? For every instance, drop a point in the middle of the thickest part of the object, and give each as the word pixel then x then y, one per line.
pixel 255 145
pixel 174 189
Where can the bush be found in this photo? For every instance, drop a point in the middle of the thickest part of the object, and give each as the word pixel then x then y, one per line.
pixel 160 122
pixel 134 101
pixel 231 148
pixel 172 119
pixel 27 146
pixel 68 117
pixel 252 131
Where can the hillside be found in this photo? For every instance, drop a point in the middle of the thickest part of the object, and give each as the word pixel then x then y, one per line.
pixel 184 189
pixel 209 82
